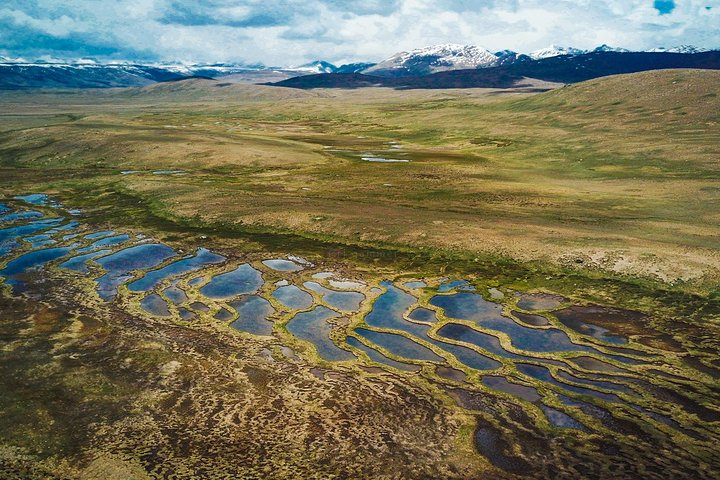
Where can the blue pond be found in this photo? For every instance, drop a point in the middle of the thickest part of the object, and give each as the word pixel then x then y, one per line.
pixel 96 235
pixel 79 262
pixel 12 233
pixel 282 265
pixel 473 307
pixel 466 334
pixel 224 315
pixel 543 374
pixel 37 241
pixel 425 315
pixel 293 297
pixel 345 301
pixel 399 345
pixel 155 305
pixel 68 226
pixel 388 312
pixel 456 285
pixel 313 327
pixel 502 384
pixel 561 420
pixel 175 295
pixel 252 315
pixel 243 280
pixel 378 357
pixel 202 258
pixel 31 260
pixel 186 314
pixel 119 264
pixel 573 318
pixel 33 198
pixel 106 242
pixel 7 246
pixel 14 217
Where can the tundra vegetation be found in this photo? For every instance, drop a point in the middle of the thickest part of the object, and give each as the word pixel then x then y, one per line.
pixel 465 283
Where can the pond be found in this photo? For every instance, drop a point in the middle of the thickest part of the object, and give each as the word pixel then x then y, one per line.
pixel 110 241
pixel 313 326
pixel 387 312
pixel 282 265
pixel 155 305
pixel 399 345
pixel 201 259
pixel 378 357
pixel 344 301
pixel 78 263
pixel 120 264
pixel 241 281
pixel 30 261
pixel 253 312
pixel 293 297
pixel 175 294
pixel 473 307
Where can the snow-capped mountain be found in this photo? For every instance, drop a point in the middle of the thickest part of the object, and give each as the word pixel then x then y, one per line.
pixel 436 58
pixel 507 57
pixel 607 48
pixel 354 67
pixel 318 66
pixel 47 72
pixel 554 51
pixel 679 49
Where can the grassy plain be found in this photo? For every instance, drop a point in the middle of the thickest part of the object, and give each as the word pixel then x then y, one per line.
pixel 603 191
pixel 617 174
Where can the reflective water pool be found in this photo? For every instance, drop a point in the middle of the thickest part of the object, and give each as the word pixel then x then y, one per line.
pixel 79 263
pixel 201 259
pixel 313 327
pixel 33 198
pixel 243 280
pixel 110 241
pixel 175 294
pixel 502 384
pixel 345 301
pixel 30 261
pixel 470 306
pixel 387 312
pixel 14 217
pixel 293 297
pixel 100 234
pixel 378 357
pixel 155 305
pixel 282 265
pixel 120 264
pixel 253 312
pixel 399 345
pixel 580 319
pixel 422 314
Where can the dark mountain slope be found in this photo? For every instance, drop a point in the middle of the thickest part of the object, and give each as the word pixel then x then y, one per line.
pixel 563 69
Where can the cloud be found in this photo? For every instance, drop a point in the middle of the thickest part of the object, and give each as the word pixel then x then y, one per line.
pixel 283 32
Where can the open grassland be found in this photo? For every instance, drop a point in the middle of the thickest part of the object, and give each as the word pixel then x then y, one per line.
pixel 604 192
pixel 618 174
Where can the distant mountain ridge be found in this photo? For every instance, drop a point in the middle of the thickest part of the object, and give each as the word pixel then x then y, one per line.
pixel 561 69
pixel 88 73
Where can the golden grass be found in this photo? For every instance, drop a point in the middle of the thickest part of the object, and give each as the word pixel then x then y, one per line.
pixel 619 173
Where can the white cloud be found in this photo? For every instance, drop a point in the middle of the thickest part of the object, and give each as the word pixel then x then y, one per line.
pixel 279 32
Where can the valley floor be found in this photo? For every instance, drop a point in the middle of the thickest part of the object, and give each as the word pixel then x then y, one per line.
pixel 601 194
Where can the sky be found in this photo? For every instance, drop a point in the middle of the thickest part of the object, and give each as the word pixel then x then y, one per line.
pixel 292 32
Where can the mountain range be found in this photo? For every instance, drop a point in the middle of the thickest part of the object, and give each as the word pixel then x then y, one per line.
pixel 21 74
pixel 558 69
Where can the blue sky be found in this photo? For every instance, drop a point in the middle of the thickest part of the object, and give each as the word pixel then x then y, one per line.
pixel 291 32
